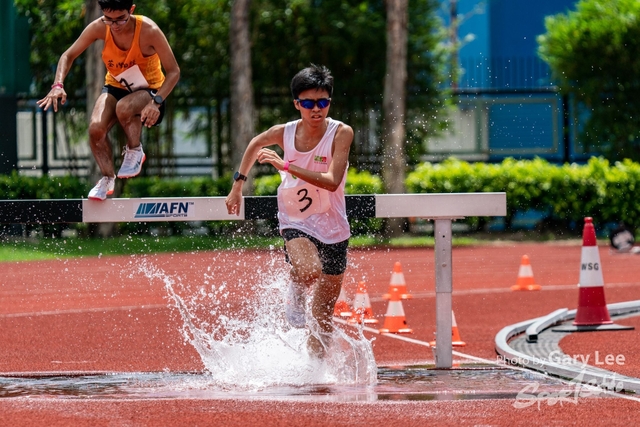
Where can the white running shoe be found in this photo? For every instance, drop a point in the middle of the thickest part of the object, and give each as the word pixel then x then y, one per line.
pixel 294 307
pixel 132 162
pixel 103 188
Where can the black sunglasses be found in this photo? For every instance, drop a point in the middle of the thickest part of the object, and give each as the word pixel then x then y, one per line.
pixel 310 103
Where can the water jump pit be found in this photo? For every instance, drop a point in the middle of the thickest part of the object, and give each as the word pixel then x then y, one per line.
pixel 411 383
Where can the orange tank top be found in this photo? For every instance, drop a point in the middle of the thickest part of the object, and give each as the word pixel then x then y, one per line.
pixel 130 69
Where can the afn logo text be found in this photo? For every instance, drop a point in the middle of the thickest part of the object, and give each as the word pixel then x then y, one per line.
pixel 165 210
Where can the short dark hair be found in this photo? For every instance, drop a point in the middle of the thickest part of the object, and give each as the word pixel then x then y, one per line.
pixel 312 77
pixel 115 4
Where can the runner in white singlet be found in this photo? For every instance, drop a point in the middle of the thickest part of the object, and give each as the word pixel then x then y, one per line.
pixel 311 204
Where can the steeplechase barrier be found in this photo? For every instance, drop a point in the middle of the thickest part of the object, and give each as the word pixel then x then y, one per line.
pixel 440 208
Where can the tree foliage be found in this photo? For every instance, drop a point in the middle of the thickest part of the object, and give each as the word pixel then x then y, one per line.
pixel 594 54
pixel 54 24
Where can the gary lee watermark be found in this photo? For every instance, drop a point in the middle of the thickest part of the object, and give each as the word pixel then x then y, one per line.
pixel 531 394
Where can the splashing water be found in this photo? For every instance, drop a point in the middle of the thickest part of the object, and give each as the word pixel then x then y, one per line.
pixel 244 341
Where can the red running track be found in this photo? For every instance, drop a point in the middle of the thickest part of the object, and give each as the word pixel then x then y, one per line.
pixel 92 315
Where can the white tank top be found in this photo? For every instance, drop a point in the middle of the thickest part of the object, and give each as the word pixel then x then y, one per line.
pixel 305 207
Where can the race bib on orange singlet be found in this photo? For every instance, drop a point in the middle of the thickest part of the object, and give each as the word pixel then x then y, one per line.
pixel 132 79
pixel 304 200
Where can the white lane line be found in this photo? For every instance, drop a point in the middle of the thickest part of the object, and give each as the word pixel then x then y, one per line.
pixel 83 310
pixel 409 340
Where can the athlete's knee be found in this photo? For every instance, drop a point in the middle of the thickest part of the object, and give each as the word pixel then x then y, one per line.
pixel 125 111
pixel 97 131
pixel 307 274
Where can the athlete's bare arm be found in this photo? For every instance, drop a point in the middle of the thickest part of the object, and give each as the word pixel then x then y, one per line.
pixel 270 137
pixel 153 40
pixel 329 180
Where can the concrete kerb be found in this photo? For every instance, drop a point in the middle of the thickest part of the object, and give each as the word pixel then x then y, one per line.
pixel 544 322
pixel 575 372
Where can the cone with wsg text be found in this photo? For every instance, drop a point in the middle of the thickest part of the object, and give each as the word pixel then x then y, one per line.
pixel 592 308
pixel 397 281
pixel 592 313
pixel 342 309
pixel 456 341
pixel 525 281
pixel 362 312
pixel 395 321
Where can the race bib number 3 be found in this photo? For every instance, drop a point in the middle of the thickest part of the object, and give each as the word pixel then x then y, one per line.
pixel 305 200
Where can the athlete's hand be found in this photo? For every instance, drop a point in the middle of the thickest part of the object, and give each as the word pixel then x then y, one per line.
pixel 269 156
pixel 150 114
pixel 233 202
pixel 52 99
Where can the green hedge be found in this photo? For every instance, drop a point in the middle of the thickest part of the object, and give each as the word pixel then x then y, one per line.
pixel 16 186
pixel 182 187
pixel 568 192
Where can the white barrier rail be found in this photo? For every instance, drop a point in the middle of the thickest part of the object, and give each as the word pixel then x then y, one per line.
pixel 441 208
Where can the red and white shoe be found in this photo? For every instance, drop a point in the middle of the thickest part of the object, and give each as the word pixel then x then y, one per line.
pixel 103 188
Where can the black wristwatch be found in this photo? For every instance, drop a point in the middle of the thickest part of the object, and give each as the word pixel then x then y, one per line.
pixel 158 99
pixel 238 176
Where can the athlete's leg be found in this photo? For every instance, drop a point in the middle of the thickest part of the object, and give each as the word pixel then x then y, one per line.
pixel 307 272
pixel 128 111
pixel 102 120
pixel 325 295
pixel 305 261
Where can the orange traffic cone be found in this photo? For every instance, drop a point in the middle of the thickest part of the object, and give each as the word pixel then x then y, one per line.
pixel 455 334
pixel 362 311
pixel 342 309
pixel 397 281
pixel 592 313
pixel 394 321
pixel 525 280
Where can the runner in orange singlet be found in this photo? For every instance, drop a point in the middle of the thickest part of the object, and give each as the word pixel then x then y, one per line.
pixel 135 52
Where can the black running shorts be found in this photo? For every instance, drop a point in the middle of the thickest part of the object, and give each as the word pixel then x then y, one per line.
pixel 119 93
pixel 332 256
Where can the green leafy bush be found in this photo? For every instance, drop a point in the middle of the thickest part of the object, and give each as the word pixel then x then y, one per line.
pixel 16 186
pixel 567 192
pixel 183 187
pixel 266 185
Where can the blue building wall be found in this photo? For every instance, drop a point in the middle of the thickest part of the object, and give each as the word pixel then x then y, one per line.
pixel 522 111
pixel 503 53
